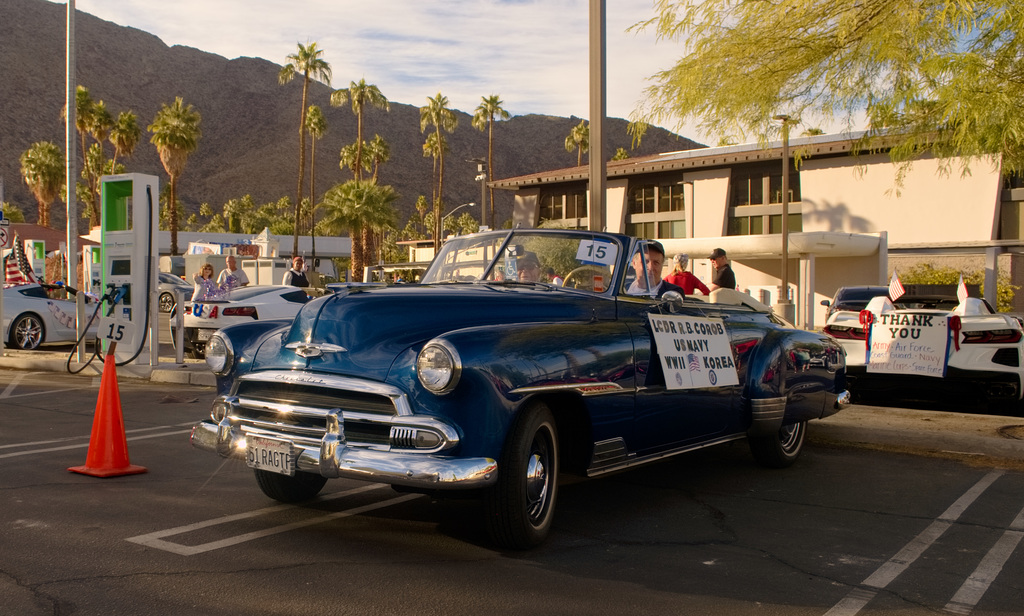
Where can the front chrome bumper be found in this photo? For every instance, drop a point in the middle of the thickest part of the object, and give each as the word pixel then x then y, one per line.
pixel 334 458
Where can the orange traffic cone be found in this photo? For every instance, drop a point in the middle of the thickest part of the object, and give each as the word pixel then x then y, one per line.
pixel 108 447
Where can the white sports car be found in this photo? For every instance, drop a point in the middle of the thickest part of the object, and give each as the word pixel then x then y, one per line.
pixel 241 305
pixel 31 318
pixel 932 347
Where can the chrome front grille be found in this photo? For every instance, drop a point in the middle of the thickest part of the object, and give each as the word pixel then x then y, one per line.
pixel 296 405
pixel 317 397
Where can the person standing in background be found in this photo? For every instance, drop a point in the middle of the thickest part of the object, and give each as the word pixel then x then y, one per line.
pixel 232 276
pixel 682 278
pixel 206 287
pixel 724 276
pixel 296 276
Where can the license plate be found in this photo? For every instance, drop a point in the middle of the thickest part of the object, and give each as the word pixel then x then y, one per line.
pixel 268 454
pixel 204 334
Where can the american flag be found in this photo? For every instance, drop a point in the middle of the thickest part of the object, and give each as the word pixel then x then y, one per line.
pixel 17 270
pixel 896 289
pixel 961 290
pixel 693 362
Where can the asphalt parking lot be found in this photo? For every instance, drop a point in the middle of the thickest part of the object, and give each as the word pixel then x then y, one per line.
pixel 857 525
pixel 851 528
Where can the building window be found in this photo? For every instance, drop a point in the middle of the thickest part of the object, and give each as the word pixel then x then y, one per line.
pixel 746 225
pixel 747 188
pixel 775 187
pixel 669 229
pixel 670 198
pixel 641 229
pixel 656 211
pixel 642 199
pixel 756 200
pixel 576 204
pixel 551 207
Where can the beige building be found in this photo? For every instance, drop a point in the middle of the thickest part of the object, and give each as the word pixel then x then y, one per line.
pixel 853 216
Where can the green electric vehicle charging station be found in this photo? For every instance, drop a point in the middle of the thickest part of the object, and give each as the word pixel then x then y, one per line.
pixel 129 215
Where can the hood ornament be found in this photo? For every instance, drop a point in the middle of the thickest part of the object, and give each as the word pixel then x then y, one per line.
pixel 314 349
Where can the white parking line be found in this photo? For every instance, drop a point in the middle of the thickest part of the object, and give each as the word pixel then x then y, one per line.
pixel 7 393
pixel 855 601
pixel 965 599
pixel 156 540
pixel 74 438
pixel 86 444
pixel 14 383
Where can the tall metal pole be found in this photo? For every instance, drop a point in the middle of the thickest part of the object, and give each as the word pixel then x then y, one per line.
pixel 784 305
pixel 598 178
pixel 483 197
pixel 70 143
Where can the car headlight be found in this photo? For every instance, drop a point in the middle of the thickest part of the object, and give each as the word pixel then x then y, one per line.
pixel 219 355
pixel 438 367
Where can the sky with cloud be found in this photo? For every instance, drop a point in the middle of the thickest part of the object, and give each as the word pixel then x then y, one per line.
pixel 532 53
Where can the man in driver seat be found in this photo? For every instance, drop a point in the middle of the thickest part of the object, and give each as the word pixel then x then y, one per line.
pixel 655 263
pixel 528 266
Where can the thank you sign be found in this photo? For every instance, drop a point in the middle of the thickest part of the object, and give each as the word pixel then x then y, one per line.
pixel 904 343
pixel 694 351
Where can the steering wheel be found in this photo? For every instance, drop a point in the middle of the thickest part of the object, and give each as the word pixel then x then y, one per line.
pixel 583 277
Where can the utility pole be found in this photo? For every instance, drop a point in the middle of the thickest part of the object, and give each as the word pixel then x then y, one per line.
pixel 598 179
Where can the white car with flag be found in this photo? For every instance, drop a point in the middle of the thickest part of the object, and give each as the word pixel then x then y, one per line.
pixel 935 347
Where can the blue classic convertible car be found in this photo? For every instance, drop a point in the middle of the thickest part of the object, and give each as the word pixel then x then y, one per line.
pixel 488 380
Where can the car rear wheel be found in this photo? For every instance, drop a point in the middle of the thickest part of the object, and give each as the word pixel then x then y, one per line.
pixel 519 509
pixel 27 332
pixel 289 489
pixel 166 302
pixel 781 449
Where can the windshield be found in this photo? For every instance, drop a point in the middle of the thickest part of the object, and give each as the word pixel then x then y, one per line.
pixel 573 260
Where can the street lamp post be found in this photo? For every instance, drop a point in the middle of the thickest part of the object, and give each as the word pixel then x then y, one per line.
pixel 481 176
pixel 784 306
pixel 455 209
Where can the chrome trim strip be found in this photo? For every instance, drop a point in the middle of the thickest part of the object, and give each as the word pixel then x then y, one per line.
pixel 586 389
pixel 334 458
pixel 398 397
pixel 766 416
pixel 591 472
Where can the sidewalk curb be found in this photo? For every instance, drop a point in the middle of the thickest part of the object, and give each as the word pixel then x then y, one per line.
pixel 197 374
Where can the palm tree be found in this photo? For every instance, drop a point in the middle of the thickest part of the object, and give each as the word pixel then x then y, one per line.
pixel 360 95
pixel 316 125
pixel 42 167
pixel 125 135
pixel 348 159
pixel 84 107
pixel 306 61
pixel 358 206
pixel 437 113
pixel 176 135
pixel 436 147
pixel 490 106
pixel 578 139
pixel 378 152
pixel 83 114
pixel 101 123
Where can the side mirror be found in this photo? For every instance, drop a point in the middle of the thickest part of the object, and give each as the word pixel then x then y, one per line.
pixel 673 301
pixel 826 303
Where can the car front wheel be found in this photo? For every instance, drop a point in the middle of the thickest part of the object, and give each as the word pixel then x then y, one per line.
pixel 289 489
pixel 520 507
pixel 782 448
pixel 27 332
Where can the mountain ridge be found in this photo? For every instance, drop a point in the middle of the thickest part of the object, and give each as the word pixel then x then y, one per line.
pixel 249 133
